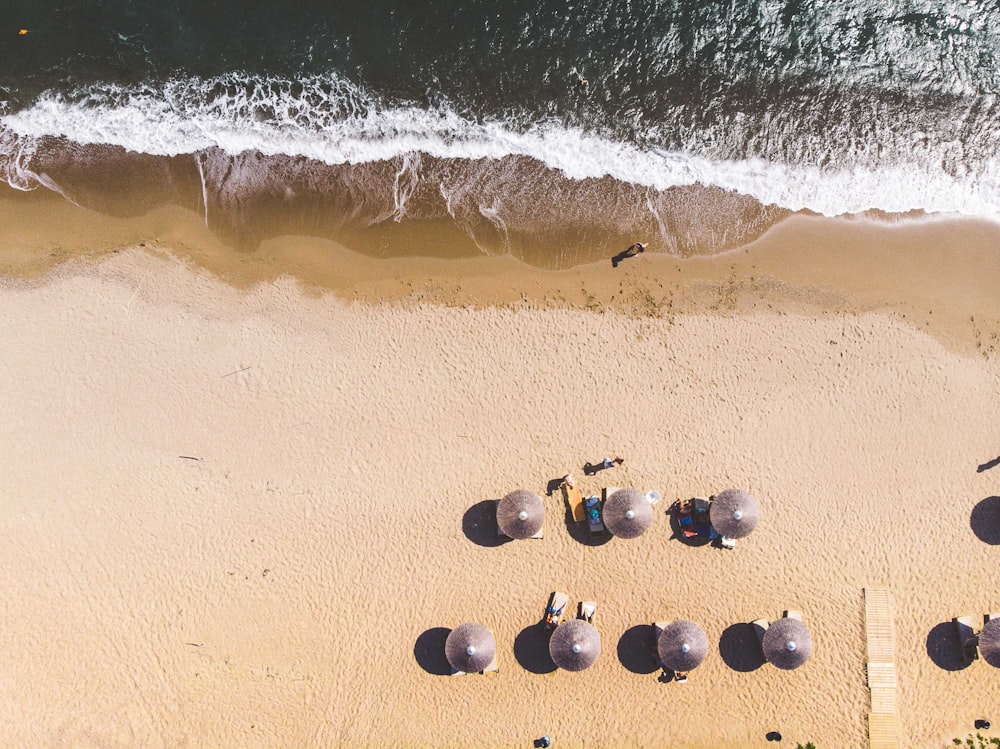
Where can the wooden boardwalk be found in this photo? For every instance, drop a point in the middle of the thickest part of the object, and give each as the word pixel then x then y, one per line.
pixel 884 731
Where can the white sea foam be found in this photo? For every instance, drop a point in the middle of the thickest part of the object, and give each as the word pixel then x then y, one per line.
pixel 333 121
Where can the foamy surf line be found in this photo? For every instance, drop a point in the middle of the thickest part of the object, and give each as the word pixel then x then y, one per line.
pixel 334 122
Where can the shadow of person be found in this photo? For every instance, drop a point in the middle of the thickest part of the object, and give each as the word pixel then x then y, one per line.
pixel 479 524
pixel 637 649
pixel 531 649
pixel 985 521
pixel 552 486
pixel 740 648
pixel 632 251
pixel 944 649
pixel 988 465
pixel 429 651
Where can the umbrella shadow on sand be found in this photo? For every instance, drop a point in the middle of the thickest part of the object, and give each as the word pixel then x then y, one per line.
pixel 943 647
pixel 637 649
pixel 580 533
pixel 429 651
pixel 479 524
pixel 675 531
pixel 531 649
pixel 985 521
pixel 740 648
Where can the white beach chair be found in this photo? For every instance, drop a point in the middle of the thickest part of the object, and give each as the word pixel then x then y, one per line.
pixel 759 628
pixel 556 610
pixel 727 543
pixel 968 643
pixel 680 677
pixel 793 614
pixel 653 496
pixel 587 611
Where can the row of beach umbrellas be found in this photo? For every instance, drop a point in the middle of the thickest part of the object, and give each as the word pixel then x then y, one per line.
pixel 681 645
pixel 627 513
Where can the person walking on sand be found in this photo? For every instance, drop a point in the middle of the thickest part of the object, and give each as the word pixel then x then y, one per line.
pixel 612 462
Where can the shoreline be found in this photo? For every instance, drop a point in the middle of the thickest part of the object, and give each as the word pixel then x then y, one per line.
pixel 936 273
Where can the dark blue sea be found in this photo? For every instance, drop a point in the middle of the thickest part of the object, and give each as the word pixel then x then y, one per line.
pixel 526 128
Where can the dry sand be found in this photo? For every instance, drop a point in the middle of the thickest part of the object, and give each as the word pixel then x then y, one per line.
pixel 247 517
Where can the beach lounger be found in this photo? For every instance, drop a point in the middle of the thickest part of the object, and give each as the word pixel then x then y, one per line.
pixel 680 677
pixel 587 611
pixel 727 543
pixel 556 610
pixel 792 614
pixel 595 523
pixel 653 496
pixel 574 501
pixel 760 627
pixel 490 669
pixel 987 618
pixel 658 628
pixel 968 642
pixel 693 519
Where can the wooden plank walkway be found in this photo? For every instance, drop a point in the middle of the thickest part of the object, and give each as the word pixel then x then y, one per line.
pixel 884 730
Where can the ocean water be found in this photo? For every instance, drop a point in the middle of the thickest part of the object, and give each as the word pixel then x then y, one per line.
pixel 553 131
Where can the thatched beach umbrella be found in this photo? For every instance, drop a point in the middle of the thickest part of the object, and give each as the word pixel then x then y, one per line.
pixel 520 514
pixel 989 642
pixel 787 643
pixel 734 513
pixel 627 513
pixel 470 647
pixel 575 645
pixel 682 645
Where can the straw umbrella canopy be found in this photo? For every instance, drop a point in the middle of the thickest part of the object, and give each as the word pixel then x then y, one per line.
pixel 520 514
pixel 787 643
pixel 575 645
pixel 682 645
pixel 470 647
pixel 627 513
pixel 989 642
pixel 734 513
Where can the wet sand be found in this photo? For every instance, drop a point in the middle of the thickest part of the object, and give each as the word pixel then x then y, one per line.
pixel 246 495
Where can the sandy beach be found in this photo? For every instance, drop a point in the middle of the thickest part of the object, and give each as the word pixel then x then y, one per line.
pixel 245 496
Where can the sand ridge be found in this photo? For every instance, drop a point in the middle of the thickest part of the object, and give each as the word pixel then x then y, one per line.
pixel 287 582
